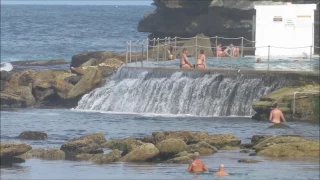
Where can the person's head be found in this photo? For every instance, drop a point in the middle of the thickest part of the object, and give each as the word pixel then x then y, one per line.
pixel 275 105
pixel 221 167
pixel 259 60
pixel 201 51
pixel 196 155
pixel 184 50
pixel 231 45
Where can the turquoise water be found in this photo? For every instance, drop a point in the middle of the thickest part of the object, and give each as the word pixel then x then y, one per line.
pixel 283 64
pixel 61 125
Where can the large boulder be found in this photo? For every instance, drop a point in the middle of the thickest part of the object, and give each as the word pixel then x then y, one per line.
pixel 259 138
pixel 4 75
pixel 288 146
pixel 113 156
pixel 170 147
pixel 144 152
pixel 90 144
pixel 47 154
pixel 94 58
pixel 73 79
pixel 202 147
pixel 33 135
pixel 126 145
pixel 9 151
pixel 160 136
pixel 180 160
pixel 87 83
pixel 216 140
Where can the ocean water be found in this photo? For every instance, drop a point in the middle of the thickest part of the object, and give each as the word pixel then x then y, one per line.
pixel 37 32
pixel 61 125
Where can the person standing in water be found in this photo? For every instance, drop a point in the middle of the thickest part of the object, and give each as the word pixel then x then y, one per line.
pixel 201 60
pixel 197 166
pixel 221 171
pixel 184 62
pixel 276 114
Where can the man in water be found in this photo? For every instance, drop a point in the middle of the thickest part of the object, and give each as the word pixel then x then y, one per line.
pixel 221 171
pixel 196 166
pixel 259 60
pixel 184 62
pixel 276 114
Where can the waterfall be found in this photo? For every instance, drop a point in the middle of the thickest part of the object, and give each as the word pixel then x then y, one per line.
pixel 165 91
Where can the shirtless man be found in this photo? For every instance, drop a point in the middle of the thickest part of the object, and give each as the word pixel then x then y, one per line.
pixel 184 62
pixel 196 166
pixel 221 171
pixel 276 114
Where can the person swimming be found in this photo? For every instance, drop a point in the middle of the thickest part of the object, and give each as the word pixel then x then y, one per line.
pixel 220 52
pixel 259 60
pixel 201 60
pixel 184 62
pixel 276 114
pixel 221 171
pixel 197 166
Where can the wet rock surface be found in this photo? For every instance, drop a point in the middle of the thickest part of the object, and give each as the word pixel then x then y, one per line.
pixel 33 135
pixel 10 150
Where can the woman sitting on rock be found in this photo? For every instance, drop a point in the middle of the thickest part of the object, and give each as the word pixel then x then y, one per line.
pixel 201 60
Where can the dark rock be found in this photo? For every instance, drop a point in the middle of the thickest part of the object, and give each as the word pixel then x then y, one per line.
pixel 246 146
pixel 245 151
pixel 47 154
pixel 279 126
pixel 87 83
pixel 203 148
pixel 144 152
pixel 170 147
pixel 4 75
pixel 2 83
pixel 73 79
pixel 180 160
pixel 100 56
pixel 248 160
pixel 90 144
pixel 253 154
pixel 9 151
pixel 33 135
pixel 113 156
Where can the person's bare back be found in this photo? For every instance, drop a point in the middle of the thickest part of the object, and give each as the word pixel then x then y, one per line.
pixel 197 166
pixel 276 115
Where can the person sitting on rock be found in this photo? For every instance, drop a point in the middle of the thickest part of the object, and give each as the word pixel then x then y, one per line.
pixel 221 171
pixel 197 166
pixel 276 114
pixel 184 62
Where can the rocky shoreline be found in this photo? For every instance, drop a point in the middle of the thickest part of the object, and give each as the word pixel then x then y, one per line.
pixel 55 83
pixel 160 147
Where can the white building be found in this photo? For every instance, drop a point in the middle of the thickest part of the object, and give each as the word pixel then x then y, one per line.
pixel 283 27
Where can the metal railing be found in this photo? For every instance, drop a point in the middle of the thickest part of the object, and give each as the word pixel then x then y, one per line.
pixel 157 50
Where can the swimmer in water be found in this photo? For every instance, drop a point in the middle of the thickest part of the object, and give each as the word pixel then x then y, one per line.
pixel 197 166
pixel 276 114
pixel 221 171
pixel 259 60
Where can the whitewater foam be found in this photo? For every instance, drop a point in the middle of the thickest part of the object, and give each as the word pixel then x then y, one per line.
pixel 6 67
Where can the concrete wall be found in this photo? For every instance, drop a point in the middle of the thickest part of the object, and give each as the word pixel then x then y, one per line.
pixel 288 26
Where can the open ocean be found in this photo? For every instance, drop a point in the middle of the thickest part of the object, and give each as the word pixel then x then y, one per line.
pixel 39 32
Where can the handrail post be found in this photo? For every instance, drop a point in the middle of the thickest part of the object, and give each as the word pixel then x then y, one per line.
pixel 175 47
pixel 165 49
pixel 147 49
pixel 153 48
pixel 310 58
pixel 126 53
pixel 130 50
pixel 136 53
pixel 216 46
pixel 268 57
pixel 142 55
pixel 196 48
pixel 158 50
pixel 242 47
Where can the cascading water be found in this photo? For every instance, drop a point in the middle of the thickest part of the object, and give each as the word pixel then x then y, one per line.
pixel 164 91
